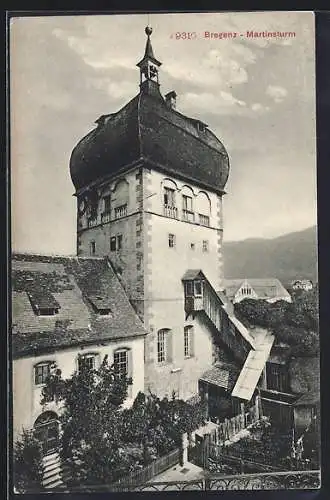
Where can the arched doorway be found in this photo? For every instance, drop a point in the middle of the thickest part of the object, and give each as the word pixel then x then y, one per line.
pixel 46 429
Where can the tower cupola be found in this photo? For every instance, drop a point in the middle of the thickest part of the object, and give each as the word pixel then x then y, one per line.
pixel 149 65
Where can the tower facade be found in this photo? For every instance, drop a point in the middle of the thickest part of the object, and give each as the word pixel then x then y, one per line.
pixel 149 184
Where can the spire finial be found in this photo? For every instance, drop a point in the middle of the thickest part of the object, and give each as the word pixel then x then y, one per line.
pixel 148 30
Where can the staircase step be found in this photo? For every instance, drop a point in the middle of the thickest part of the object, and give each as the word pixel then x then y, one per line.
pixel 55 484
pixel 53 472
pixel 50 458
pixel 51 479
pixel 52 464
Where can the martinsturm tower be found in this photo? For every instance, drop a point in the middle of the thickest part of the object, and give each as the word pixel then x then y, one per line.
pixel 149 185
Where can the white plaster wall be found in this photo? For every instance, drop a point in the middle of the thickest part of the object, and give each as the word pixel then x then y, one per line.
pixel 26 396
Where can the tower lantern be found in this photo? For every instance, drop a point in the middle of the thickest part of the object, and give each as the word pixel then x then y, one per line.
pixel 149 65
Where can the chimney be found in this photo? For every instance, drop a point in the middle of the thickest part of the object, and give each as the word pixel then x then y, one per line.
pixel 170 99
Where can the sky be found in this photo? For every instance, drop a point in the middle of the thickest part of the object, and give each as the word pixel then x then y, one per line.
pixel 256 94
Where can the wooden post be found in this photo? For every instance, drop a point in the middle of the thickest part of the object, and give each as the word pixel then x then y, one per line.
pixel 243 415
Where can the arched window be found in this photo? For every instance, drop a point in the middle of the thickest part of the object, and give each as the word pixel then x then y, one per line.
pixel 203 208
pixel 169 199
pixel 164 345
pixel 187 204
pixel 120 199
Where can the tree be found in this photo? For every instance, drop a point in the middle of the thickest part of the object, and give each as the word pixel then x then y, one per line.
pixel 157 424
pixel 27 463
pixel 295 324
pixel 90 419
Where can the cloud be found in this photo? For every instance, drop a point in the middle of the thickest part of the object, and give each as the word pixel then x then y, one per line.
pixel 259 108
pixel 276 93
pixel 221 102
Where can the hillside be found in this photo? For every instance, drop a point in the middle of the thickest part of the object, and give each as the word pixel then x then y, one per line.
pixel 287 257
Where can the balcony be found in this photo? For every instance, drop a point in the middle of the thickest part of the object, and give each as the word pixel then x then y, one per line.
pixel 105 217
pixel 170 211
pixel 204 220
pixel 188 216
pixel 92 222
pixel 121 211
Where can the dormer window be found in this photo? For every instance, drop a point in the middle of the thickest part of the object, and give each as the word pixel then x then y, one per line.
pixel 100 304
pixel 43 303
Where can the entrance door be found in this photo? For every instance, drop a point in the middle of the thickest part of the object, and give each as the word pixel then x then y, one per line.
pixel 47 431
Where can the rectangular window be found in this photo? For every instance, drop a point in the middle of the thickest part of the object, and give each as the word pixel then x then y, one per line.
pixel 205 246
pixel 119 241
pixel 198 288
pixel 113 243
pixel 41 373
pixel 187 209
pixel 121 363
pixel 171 240
pixel 192 246
pixel 106 204
pixel 161 339
pixel 121 211
pixel 188 339
pixel 169 197
pixel 187 203
pixel 86 362
pixel 92 247
pixel 277 377
pixel 189 288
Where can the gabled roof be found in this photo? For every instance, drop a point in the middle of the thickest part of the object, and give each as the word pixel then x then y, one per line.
pixel 263 287
pixel 192 274
pixel 254 364
pixel 70 280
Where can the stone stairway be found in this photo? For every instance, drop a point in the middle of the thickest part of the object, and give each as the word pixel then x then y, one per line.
pixel 55 474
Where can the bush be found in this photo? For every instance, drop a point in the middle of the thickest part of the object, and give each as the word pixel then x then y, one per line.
pixel 27 463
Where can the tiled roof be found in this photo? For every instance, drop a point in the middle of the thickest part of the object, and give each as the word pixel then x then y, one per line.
pixel 192 274
pixel 70 280
pixel 222 375
pixel 147 130
pixel 254 364
pixel 264 288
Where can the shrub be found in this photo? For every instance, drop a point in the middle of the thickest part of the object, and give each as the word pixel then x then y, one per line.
pixel 27 463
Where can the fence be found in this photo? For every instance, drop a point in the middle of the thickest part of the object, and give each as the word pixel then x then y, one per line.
pixel 136 478
pixel 220 482
pixel 230 427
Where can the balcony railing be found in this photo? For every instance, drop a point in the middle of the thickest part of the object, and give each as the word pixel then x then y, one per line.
pixel 188 216
pixel 106 217
pixel 204 220
pixel 170 211
pixel 121 211
pixel 92 222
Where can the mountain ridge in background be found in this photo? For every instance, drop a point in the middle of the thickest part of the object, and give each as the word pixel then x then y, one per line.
pixel 287 257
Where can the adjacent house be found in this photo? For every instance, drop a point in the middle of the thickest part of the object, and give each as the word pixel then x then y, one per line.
pixel 68 311
pixel 269 289
pixel 302 285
